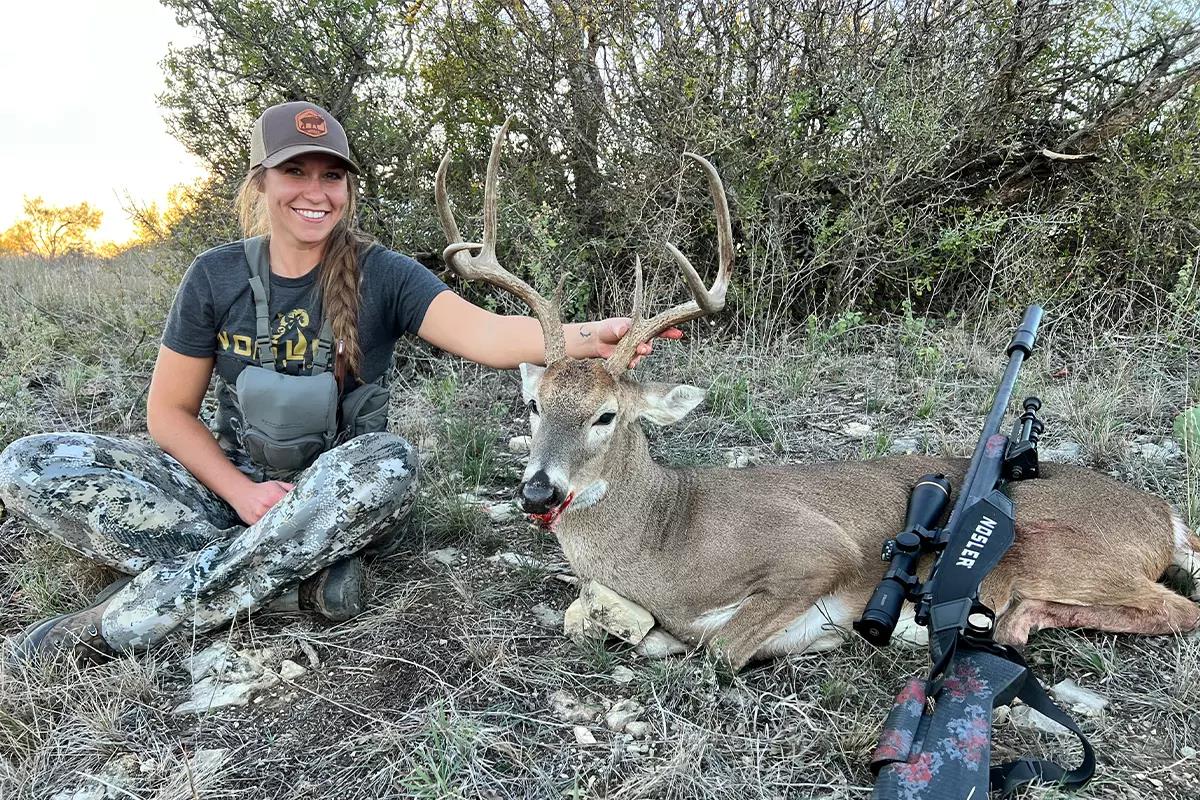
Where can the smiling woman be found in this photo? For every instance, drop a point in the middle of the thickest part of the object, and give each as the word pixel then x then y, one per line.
pixel 298 322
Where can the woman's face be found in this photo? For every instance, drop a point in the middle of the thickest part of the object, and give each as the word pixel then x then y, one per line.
pixel 306 197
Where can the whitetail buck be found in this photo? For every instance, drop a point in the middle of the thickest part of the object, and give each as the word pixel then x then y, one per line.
pixel 772 560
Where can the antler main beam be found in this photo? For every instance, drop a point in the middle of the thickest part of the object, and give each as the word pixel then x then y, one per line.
pixel 484 265
pixel 706 300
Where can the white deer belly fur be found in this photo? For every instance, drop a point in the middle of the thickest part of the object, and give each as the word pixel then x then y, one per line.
pixel 825 625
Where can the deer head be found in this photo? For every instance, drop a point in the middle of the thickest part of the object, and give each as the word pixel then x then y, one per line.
pixel 585 413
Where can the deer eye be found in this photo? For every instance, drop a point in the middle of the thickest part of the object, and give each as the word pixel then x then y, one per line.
pixel 606 418
pixel 532 406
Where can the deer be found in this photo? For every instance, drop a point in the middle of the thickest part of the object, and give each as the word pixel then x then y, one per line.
pixel 768 561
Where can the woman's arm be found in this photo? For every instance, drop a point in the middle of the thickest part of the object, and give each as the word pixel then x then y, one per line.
pixel 460 327
pixel 172 415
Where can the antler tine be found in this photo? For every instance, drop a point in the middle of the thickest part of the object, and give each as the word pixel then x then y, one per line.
pixel 484 265
pixel 490 192
pixel 706 300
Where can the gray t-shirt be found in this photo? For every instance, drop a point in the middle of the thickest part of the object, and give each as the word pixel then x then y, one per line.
pixel 213 312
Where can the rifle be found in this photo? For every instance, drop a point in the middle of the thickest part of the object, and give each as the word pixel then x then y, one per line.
pixel 936 742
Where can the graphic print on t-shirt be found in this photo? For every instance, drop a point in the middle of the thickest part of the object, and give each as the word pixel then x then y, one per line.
pixel 292 341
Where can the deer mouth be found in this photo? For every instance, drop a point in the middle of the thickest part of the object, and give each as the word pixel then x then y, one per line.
pixel 547 518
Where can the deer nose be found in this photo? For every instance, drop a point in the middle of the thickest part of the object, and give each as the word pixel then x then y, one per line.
pixel 539 494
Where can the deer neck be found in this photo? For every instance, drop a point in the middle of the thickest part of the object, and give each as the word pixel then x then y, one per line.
pixel 623 511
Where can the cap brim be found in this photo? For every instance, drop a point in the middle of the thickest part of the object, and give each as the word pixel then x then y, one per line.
pixel 275 159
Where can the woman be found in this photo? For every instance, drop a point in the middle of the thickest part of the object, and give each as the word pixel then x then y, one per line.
pixel 210 527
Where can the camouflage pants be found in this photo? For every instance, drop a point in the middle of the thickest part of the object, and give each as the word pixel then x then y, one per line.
pixel 134 508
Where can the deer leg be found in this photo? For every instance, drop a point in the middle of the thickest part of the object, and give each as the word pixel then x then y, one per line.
pixel 1156 610
pixel 760 625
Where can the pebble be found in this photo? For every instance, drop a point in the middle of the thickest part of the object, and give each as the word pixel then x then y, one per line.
pixel 584 735
pixel 622 674
pixel 856 430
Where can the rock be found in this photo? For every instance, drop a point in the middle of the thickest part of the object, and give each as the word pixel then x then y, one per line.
pixel 584 735
pixel 502 512
pixel 622 674
pixel 547 617
pixel 447 556
pixel 1026 717
pixel 638 729
pixel 1080 700
pixel 660 644
pixel 1000 715
pixel 108 784
pixel 211 694
pixel 289 670
pixel 903 447
pixel 742 457
pixel 569 708
pixel 856 430
pixel 621 714
pixel 577 625
pixel 209 661
pixel 1151 451
pixel 1187 752
pixel 618 615
pixel 1062 451
pixel 519 444
pixel 516 561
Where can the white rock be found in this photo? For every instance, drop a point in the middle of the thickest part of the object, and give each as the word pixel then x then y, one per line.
pixel 1081 700
pixel 622 674
pixel 209 661
pixel 856 430
pixel 211 694
pixel 569 708
pixel 519 444
pixel 660 644
pixel 741 457
pixel 618 615
pixel 502 512
pixel 548 617
pixel 621 714
pixel 1187 752
pixel 638 729
pixel 903 447
pixel 584 735
pixel 577 625
pixel 1026 717
pixel 447 556
pixel 289 670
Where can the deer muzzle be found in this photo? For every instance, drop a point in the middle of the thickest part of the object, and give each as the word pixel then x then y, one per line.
pixel 539 494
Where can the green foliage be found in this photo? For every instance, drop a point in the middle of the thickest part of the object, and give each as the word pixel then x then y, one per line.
pixel 734 398
pixel 1040 151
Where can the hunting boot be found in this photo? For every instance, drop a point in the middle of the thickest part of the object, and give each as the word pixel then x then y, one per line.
pixel 335 592
pixel 77 633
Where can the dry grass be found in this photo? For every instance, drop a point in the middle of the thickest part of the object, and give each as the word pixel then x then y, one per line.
pixel 441 689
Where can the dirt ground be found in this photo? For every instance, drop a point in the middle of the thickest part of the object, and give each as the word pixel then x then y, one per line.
pixel 442 689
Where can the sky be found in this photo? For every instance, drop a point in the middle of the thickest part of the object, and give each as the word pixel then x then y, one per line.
pixel 78 117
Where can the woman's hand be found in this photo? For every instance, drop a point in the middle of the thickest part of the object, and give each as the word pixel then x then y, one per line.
pixel 599 339
pixel 253 503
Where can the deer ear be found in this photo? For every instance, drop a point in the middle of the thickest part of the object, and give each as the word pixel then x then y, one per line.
pixel 667 403
pixel 531 378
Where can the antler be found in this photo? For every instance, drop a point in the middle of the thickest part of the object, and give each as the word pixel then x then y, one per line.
pixel 484 266
pixel 707 300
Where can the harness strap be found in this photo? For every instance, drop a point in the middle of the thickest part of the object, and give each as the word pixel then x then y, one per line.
pixel 260 287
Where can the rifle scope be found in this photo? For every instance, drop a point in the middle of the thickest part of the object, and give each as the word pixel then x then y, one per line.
pixel 925 506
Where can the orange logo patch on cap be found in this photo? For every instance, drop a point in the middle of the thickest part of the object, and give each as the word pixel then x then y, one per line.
pixel 310 123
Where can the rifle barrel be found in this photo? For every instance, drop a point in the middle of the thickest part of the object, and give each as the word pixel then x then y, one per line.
pixel 1018 349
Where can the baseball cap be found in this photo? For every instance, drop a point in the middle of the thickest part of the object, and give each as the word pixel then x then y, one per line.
pixel 291 129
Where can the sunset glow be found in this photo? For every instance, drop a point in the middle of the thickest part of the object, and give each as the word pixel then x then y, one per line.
pixel 82 123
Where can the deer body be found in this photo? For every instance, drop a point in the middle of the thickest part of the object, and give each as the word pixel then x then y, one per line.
pixel 774 560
